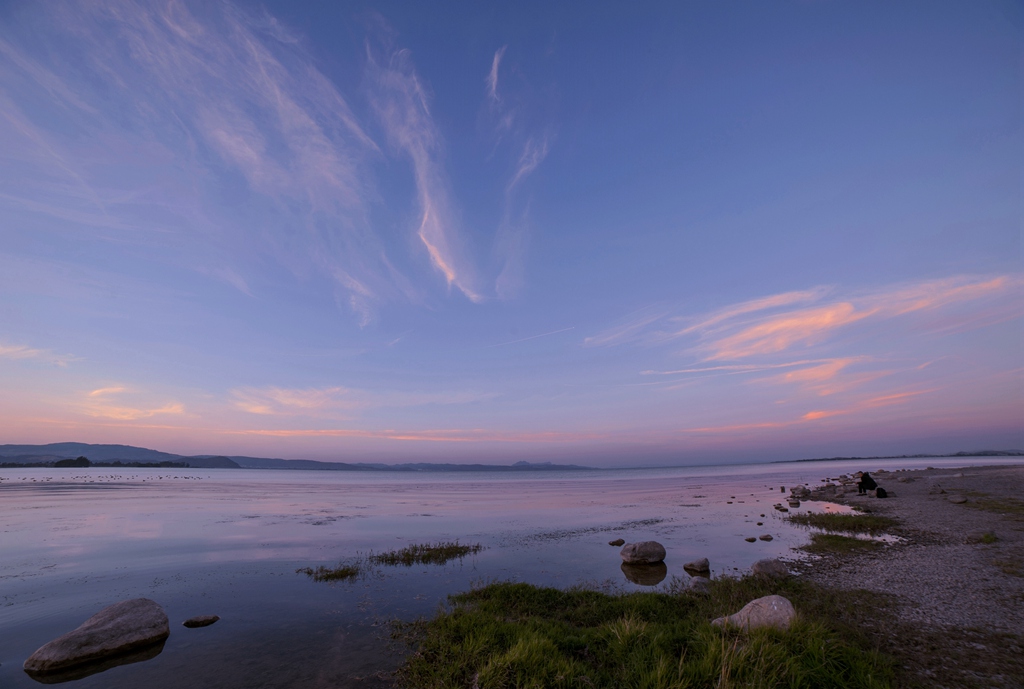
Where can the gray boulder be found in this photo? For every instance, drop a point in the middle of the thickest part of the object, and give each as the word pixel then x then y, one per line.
pixel 771 568
pixel 957 499
pixel 698 568
pixel 117 629
pixel 643 553
pixel 699 585
pixel 771 611
pixel 617 541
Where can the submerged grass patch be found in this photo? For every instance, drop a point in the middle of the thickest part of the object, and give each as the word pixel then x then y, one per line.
pixel 519 635
pixel 873 524
pixel 425 554
pixel 339 573
pixel 829 543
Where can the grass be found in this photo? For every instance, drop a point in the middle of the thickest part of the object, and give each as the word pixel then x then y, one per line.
pixel 425 554
pixel 834 544
pixel 516 635
pixel 873 524
pixel 339 573
pixel 1009 507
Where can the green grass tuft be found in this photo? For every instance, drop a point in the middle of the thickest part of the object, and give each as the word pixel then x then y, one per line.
pixel 425 554
pixel 873 524
pixel 339 573
pixel 516 635
pixel 829 544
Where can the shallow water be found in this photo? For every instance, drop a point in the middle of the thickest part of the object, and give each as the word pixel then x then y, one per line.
pixel 228 542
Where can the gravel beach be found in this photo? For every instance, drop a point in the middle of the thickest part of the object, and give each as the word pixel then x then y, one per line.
pixel 951 598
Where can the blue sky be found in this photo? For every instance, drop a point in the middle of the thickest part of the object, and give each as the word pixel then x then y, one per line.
pixel 397 231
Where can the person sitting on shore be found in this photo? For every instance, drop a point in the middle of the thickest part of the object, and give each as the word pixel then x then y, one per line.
pixel 865 484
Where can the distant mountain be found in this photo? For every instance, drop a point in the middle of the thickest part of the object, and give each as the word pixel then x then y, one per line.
pixel 48 454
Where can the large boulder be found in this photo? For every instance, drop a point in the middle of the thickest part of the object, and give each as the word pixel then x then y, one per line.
pixel 770 568
pixel 117 629
pixel 771 611
pixel 643 553
pixel 698 568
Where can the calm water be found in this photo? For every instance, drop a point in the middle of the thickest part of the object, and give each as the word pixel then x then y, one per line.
pixel 228 542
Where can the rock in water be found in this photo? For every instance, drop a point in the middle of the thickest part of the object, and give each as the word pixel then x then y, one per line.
pixel 749 539
pixel 957 499
pixel 701 585
pixel 617 541
pixel 771 568
pixel 120 628
pixel 770 611
pixel 200 621
pixel 698 567
pixel 766 537
pixel 643 553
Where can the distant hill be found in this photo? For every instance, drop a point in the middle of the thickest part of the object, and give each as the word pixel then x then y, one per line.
pixel 96 453
pixel 979 453
pixel 54 452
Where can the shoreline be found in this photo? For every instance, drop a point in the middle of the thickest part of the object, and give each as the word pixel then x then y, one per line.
pixel 950 601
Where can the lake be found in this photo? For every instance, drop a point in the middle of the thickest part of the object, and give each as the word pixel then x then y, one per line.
pixel 228 542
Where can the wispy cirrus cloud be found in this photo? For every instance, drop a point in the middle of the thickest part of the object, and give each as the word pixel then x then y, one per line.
pixel 26 352
pixel 402 104
pixel 527 146
pixel 783 354
pixel 447 435
pixel 492 76
pixel 771 326
pixel 149 116
pixel 338 402
pixel 110 403
pixel 631 328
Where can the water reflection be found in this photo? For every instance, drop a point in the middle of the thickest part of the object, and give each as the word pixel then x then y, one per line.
pixel 645 575
pixel 88 669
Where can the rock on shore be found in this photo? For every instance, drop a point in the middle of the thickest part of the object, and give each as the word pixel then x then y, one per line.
pixel 771 568
pixel 770 611
pixel 117 629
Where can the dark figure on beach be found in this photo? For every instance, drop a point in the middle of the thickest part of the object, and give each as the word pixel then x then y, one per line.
pixel 866 483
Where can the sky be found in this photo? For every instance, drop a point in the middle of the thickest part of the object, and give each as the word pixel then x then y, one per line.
pixel 608 234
